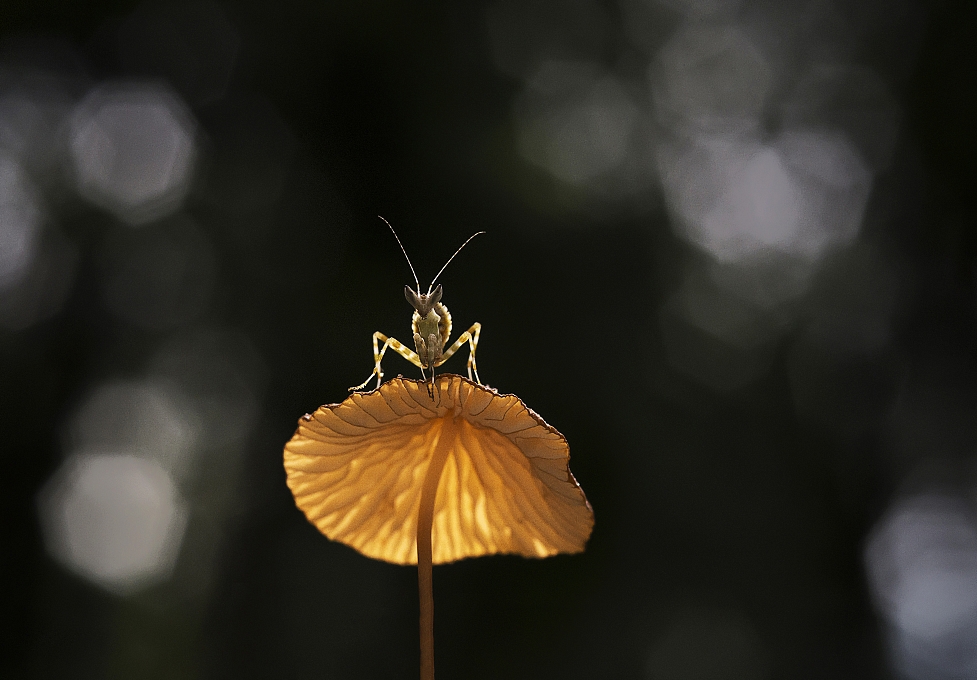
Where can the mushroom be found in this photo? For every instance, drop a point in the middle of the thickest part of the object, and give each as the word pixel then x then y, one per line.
pixel 410 480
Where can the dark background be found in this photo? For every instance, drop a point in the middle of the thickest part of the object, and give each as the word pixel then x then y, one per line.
pixel 792 498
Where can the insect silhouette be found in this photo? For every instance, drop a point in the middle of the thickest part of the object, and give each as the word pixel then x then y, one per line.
pixel 431 324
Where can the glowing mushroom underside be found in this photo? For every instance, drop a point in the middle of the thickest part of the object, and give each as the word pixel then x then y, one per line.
pixel 357 470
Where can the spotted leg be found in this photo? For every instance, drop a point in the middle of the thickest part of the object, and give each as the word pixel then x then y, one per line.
pixel 471 337
pixel 378 353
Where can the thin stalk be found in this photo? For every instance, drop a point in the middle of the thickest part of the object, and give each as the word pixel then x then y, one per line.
pixel 425 521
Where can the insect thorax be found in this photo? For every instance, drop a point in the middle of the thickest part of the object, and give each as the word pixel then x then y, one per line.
pixel 437 322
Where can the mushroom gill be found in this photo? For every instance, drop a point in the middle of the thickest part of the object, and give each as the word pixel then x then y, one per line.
pixel 486 473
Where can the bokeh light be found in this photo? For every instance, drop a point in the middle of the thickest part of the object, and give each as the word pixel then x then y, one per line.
pixel 45 286
pixel 711 77
pixel 115 519
pixel 574 122
pixel 849 98
pixel 142 418
pixel 737 198
pixel 19 223
pixel 133 147
pixel 922 565
pixel 37 261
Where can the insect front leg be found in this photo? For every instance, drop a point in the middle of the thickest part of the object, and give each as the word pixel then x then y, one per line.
pixel 378 353
pixel 471 337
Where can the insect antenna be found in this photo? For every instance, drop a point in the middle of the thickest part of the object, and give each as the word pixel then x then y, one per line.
pixel 450 259
pixel 416 282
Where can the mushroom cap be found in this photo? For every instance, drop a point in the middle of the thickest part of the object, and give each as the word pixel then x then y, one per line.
pixel 356 470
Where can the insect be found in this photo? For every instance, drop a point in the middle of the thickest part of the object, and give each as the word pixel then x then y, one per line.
pixel 431 324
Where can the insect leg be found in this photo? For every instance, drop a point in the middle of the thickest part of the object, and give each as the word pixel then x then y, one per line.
pixel 378 353
pixel 471 337
pixel 377 356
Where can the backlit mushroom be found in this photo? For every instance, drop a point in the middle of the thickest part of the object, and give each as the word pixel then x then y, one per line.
pixel 407 479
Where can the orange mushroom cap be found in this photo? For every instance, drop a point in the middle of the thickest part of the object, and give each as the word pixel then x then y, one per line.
pixel 356 470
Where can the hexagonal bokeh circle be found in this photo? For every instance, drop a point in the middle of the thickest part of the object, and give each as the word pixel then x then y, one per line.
pixel 133 149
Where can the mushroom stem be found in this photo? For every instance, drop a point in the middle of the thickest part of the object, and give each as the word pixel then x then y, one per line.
pixel 425 521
